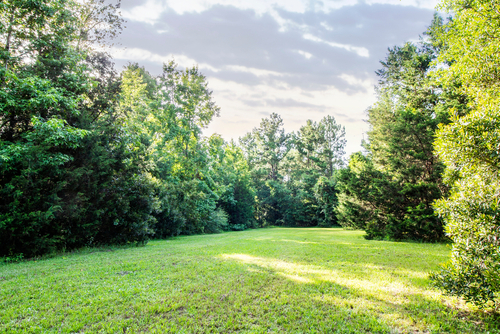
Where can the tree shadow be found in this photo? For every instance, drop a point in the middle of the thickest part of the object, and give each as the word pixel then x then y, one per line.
pixel 366 302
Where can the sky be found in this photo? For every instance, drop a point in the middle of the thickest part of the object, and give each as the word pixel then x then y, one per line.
pixel 302 59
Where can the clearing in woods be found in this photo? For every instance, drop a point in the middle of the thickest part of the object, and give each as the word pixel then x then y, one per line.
pixel 277 280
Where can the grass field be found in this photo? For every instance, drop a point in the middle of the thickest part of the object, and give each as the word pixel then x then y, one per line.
pixel 277 280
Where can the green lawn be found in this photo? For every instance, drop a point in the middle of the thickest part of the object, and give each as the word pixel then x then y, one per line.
pixel 278 280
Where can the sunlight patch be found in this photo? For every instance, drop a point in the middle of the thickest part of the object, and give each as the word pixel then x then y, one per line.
pixel 241 257
pixel 297 278
pixel 299 242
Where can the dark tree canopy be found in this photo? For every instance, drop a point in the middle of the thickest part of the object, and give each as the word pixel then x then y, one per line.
pixel 390 191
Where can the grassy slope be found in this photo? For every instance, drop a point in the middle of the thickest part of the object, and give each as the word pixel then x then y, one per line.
pixel 259 281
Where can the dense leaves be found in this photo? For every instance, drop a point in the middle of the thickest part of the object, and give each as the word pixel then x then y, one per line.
pixel 67 174
pixel 89 156
pixel 390 191
pixel 469 147
pixel 293 173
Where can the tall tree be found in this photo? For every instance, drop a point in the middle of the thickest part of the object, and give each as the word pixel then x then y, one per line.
pixel 332 145
pixel 292 173
pixel 67 178
pixel 273 144
pixel 230 172
pixel 400 153
pixel 318 153
pixel 265 148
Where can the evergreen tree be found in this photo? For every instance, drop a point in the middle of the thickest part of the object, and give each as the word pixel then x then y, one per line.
pixel 390 192
pixel 265 148
pixel 292 173
pixel 67 177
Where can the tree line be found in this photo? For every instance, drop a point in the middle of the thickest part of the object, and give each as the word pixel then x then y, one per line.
pixel 92 156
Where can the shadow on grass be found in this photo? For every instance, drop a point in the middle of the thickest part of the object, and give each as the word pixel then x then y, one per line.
pixel 370 302
pixel 396 254
pixel 291 281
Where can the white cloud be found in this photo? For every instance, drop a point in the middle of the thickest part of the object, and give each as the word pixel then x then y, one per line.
pixel 148 12
pixel 360 51
pixel 254 71
pixel 238 118
pixel 307 55
pixel 429 4
pixel 352 80
pixel 137 54
pixel 303 59
pixel 260 6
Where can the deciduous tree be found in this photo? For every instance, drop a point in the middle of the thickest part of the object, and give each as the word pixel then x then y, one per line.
pixel 469 147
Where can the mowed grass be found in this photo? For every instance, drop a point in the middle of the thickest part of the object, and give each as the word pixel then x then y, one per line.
pixel 278 280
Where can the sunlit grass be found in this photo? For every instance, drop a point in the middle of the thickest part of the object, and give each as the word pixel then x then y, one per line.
pixel 259 281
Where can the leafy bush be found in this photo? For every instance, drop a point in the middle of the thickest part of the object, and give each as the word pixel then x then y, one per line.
pixel 325 191
pixel 170 223
pixel 32 175
pixel 371 200
pixel 217 221
pixel 469 147
pixel 238 227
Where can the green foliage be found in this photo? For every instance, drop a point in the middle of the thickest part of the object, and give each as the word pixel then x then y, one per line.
pixel 238 227
pixel 360 186
pixel 293 173
pixel 390 191
pixel 237 194
pixel 89 157
pixel 265 148
pixel 317 155
pixel 181 156
pixel 469 148
pixel 197 179
pixel 217 221
pixel 30 170
pixel 70 175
